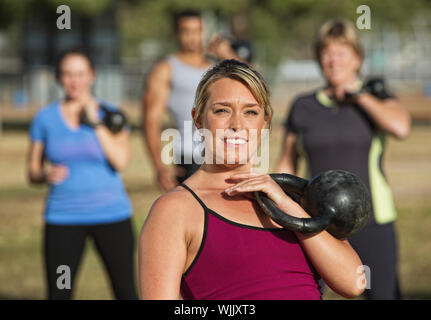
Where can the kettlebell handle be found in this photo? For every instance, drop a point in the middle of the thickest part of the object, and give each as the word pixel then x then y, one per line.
pixel 303 225
pixel 293 184
pixel 290 183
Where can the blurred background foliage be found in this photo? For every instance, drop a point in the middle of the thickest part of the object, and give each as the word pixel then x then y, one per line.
pixel 284 28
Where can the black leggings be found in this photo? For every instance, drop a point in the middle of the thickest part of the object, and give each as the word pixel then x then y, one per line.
pixel 64 245
pixel 377 247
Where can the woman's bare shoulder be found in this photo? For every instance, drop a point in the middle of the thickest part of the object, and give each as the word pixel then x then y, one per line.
pixel 177 203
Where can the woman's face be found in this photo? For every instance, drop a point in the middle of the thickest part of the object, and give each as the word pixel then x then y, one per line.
pixel 76 76
pixel 235 121
pixel 340 63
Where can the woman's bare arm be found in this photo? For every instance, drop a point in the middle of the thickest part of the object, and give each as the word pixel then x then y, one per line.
pixel 336 261
pixel 162 249
pixel 116 146
pixel 35 171
pixel 388 114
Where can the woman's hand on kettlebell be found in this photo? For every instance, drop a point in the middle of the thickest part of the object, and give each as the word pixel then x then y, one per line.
pixel 251 182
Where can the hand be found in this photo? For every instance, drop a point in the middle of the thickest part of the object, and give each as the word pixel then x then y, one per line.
pixel 167 177
pixel 57 174
pixel 220 47
pixel 91 108
pixel 251 182
pixel 347 91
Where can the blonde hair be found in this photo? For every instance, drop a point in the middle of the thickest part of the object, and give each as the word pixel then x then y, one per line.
pixel 338 30
pixel 235 70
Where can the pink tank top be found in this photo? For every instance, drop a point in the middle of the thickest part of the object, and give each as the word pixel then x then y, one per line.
pixel 242 262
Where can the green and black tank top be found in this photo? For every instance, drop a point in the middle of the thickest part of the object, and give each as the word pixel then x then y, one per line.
pixel 342 136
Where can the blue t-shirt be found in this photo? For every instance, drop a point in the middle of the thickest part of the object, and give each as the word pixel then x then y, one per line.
pixel 93 191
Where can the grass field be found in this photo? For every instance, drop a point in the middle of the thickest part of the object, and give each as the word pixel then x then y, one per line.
pixel 407 163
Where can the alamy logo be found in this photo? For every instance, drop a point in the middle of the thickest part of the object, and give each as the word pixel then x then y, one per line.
pixel 364 279
pixel 63 21
pixel 364 20
pixel 63 281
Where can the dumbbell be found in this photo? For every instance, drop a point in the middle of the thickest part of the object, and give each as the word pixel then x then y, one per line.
pixel 337 201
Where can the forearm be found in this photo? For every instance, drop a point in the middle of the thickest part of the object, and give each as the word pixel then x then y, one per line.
pixel 37 177
pixel 35 164
pixel 387 114
pixel 336 261
pixel 154 102
pixel 117 151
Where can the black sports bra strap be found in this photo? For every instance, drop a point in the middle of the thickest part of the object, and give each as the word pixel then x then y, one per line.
pixel 194 195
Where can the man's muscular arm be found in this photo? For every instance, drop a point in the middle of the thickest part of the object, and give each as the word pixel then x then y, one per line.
pixel 154 105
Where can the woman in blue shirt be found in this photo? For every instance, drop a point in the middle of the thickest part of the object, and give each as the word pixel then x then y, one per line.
pixel 86 195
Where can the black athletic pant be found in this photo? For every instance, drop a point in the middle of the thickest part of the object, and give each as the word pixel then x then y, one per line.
pixel 64 245
pixel 377 247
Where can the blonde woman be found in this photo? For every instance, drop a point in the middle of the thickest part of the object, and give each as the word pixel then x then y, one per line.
pixel 208 238
pixel 342 126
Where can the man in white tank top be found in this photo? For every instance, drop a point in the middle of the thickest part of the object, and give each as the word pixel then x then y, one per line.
pixel 171 85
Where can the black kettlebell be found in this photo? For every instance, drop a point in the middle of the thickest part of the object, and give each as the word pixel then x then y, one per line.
pixel 336 200
pixel 377 87
pixel 114 120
